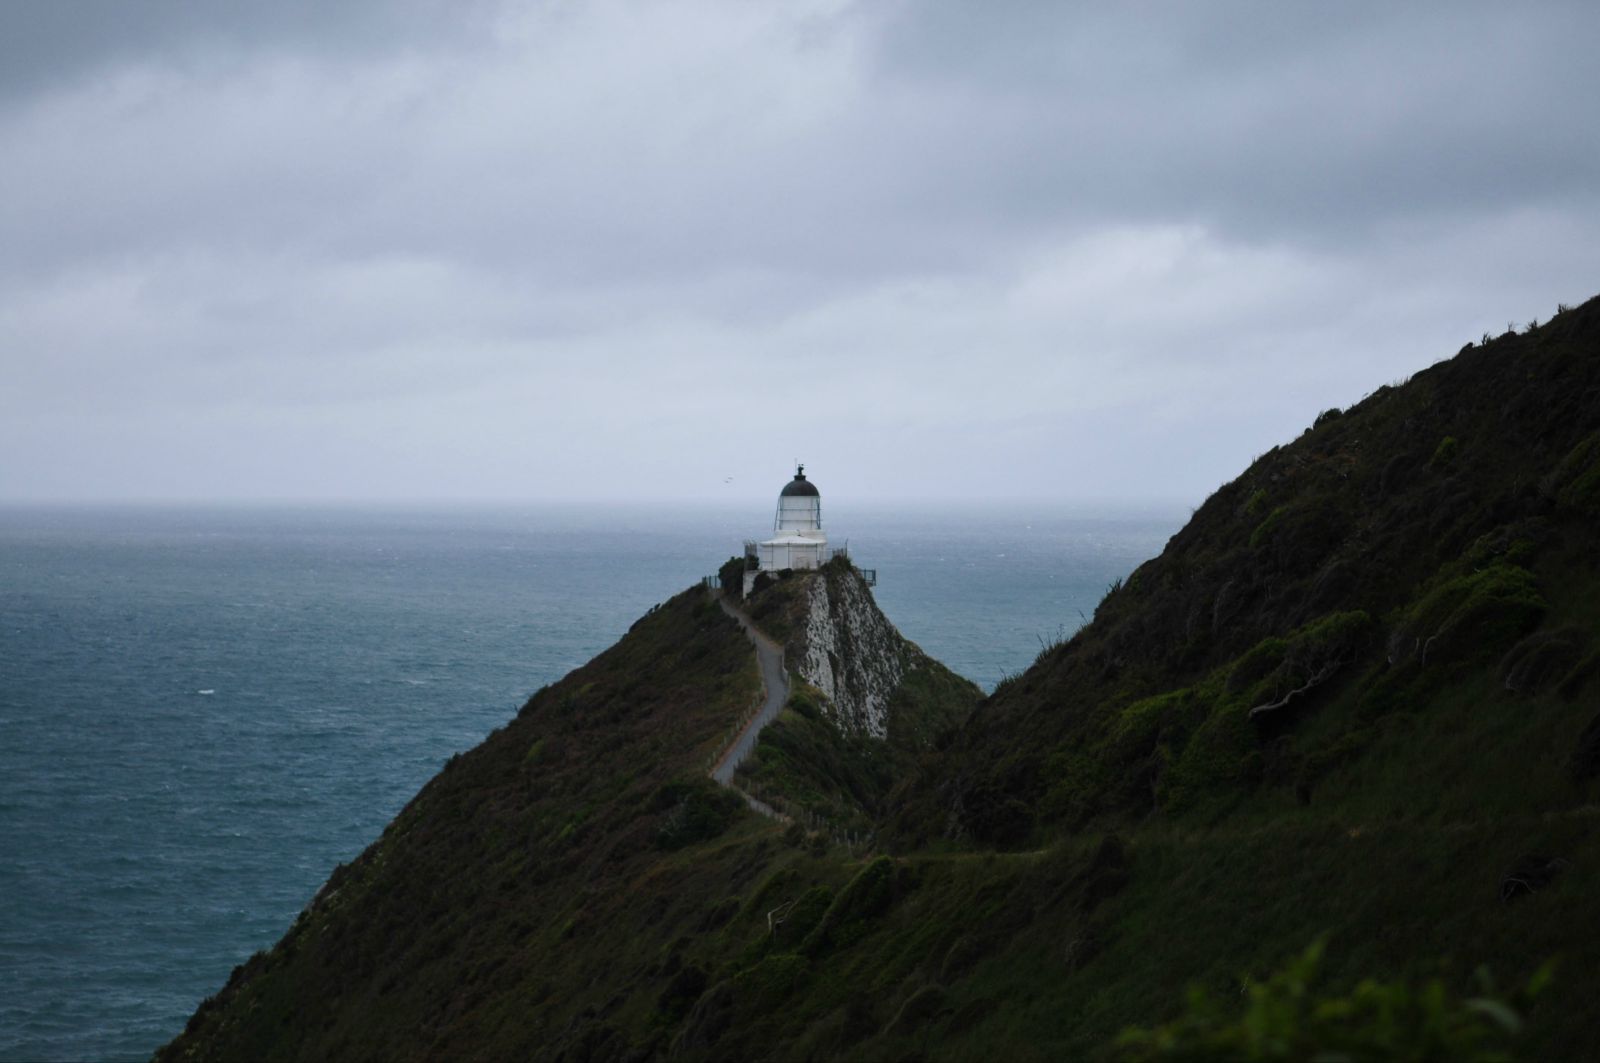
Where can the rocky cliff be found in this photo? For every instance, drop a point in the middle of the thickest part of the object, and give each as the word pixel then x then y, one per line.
pixel 838 641
pixel 865 704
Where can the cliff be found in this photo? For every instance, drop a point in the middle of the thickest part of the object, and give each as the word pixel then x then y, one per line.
pixel 838 642
pixel 1354 700
pixel 866 702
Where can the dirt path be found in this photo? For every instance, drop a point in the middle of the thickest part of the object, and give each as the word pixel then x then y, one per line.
pixel 775 680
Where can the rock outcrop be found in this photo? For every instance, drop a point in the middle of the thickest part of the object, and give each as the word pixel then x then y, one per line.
pixel 837 640
pixel 851 652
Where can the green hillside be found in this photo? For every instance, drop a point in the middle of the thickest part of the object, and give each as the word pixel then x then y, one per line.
pixel 1356 700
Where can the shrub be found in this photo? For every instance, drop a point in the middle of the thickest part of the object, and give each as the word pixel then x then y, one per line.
pixel 1332 636
pixel 680 993
pixel 697 811
pixel 803 701
pixel 730 577
pixel 1575 481
pixel 1137 728
pixel 1542 658
pixel 1284 1018
pixel 1470 616
pixel 1257 663
pixel 1301 534
pixel 1222 754
pixel 804 915
pixel 867 896
pixel 1279 669
pixel 771 982
pixel 1078 780
pixel 1263 531
pixel 1444 453
pixel 1583 492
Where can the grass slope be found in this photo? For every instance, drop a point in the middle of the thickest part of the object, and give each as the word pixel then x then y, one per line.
pixel 1354 697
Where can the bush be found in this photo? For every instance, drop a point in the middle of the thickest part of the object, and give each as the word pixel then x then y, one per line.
pixel 1575 482
pixel 1470 616
pixel 1300 535
pixel 1263 531
pixel 867 896
pixel 771 982
pixel 696 811
pixel 1138 728
pixel 804 915
pixel 1329 640
pixel 1445 453
pixel 730 577
pixel 681 993
pixel 1255 665
pixel 1223 753
pixel 1542 658
pixel 1284 1019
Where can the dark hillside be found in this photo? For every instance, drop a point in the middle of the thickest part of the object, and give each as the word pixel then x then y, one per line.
pixel 1395 548
pixel 1356 699
pixel 576 884
pixel 444 934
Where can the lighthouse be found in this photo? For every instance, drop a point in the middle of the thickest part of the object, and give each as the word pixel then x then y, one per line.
pixel 798 540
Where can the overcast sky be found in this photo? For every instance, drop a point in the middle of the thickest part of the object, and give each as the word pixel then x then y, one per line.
pixel 525 251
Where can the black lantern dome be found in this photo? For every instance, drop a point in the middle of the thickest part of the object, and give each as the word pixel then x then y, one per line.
pixel 800 486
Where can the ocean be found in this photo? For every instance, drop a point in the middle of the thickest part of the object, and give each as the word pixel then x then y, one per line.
pixel 202 711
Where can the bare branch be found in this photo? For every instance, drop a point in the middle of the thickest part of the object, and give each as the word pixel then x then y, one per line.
pixel 1317 680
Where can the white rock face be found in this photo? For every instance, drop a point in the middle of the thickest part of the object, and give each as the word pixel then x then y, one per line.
pixel 852 653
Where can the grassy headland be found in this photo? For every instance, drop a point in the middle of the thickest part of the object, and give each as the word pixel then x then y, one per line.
pixel 1355 698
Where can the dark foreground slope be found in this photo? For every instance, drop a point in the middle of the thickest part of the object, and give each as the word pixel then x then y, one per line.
pixel 520 875
pixel 1358 696
pixel 571 887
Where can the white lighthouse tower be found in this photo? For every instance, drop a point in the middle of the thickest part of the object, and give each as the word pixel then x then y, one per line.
pixel 798 540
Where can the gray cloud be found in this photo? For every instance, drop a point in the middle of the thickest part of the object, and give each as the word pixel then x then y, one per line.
pixel 420 250
pixel 47 45
pixel 1312 119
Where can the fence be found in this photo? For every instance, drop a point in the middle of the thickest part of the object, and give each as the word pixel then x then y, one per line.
pixel 854 841
pixel 733 733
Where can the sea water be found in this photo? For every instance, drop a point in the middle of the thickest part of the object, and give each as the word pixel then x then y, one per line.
pixel 202 711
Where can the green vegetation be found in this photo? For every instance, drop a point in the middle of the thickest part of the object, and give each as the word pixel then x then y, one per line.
pixel 1285 1019
pixel 697 811
pixel 1355 696
pixel 1576 480
pixel 1470 616
pixel 1263 531
pixel 805 764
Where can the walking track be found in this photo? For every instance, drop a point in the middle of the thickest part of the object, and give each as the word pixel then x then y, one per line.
pixel 775 679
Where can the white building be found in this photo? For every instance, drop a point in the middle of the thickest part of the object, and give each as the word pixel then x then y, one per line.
pixel 798 540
